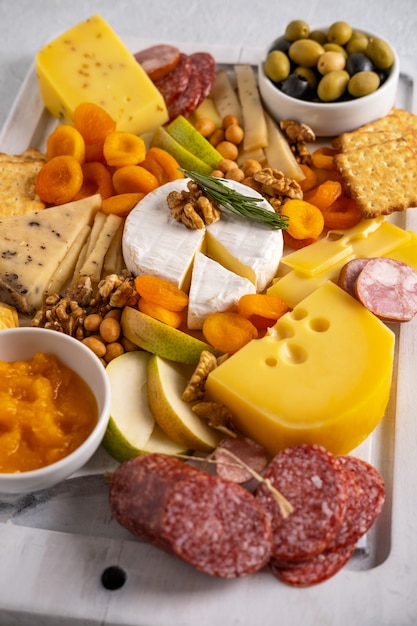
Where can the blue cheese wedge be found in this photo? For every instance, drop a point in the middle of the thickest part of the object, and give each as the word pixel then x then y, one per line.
pixel 213 289
pixel 33 246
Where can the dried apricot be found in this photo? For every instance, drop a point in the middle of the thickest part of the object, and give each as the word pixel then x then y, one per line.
pixel 261 309
pixel 306 220
pixel 65 139
pixel 324 194
pixel 93 122
pixel 162 165
pixel 228 331
pixel 59 180
pixel 296 244
pixel 162 292
pixel 171 318
pixel 123 148
pixel 96 179
pixel 310 178
pixel 322 158
pixel 134 178
pixel 121 204
pixel 343 213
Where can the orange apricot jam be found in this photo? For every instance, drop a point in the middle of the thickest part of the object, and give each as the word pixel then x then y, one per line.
pixel 46 411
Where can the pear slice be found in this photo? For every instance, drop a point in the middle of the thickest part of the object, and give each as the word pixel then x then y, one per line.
pixel 166 383
pixel 159 338
pixel 131 429
pixel 184 132
pixel 187 160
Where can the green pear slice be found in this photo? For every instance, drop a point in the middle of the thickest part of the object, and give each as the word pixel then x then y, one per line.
pixel 166 383
pixel 159 338
pixel 188 136
pixel 131 429
pixel 187 160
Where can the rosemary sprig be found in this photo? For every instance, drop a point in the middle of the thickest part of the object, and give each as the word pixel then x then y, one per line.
pixel 235 202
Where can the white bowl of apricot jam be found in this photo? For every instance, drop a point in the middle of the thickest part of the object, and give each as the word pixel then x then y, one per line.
pixel 54 408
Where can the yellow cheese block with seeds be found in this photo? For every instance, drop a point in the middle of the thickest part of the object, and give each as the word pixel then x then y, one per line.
pixel 321 375
pixel 90 63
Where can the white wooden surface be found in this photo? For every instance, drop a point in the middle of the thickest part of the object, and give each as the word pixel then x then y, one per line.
pixel 54 546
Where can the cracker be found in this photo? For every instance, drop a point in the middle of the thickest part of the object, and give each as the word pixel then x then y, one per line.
pixel 391 123
pixel 17 183
pixel 382 177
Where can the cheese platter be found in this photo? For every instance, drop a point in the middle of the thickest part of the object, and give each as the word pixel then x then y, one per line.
pixel 75 564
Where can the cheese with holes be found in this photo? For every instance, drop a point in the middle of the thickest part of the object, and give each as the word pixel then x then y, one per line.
pixel 33 246
pixel 321 375
pixel 213 289
pixel 89 63
pixel 155 243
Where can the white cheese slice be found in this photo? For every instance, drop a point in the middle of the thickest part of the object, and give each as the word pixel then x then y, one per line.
pixel 246 247
pixel 34 245
pixel 154 243
pixel 213 289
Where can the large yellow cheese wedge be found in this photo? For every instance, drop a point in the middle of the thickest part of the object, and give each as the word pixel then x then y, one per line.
pixel 322 375
pixel 90 63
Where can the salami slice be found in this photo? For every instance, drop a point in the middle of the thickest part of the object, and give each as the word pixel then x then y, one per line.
pixel 349 273
pixel 388 288
pixel 158 60
pixel 188 100
pixel 313 482
pixel 315 570
pixel 205 64
pixel 251 453
pixel 212 524
pixel 365 501
pixel 173 84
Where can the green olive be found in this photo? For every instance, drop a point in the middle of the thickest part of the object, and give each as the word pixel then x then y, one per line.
pixel 334 47
pixel 339 32
pixel 357 43
pixel 319 36
pixel 297 29
pixel 330 61
pixel 309 75
pixel 277 66
pixel 380 53
pixel 363 83
pixel 333 85
pixel 305 52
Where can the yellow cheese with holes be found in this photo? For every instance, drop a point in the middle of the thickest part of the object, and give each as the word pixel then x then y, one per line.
pixel 90 63
pixel 321 375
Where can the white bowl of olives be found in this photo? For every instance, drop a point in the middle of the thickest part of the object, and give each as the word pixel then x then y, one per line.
pixel 333 79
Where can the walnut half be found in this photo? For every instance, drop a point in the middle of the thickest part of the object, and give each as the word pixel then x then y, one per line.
pixel 192 207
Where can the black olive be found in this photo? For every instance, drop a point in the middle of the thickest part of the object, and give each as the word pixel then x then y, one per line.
pixel 359 62
pixel 281 44
pixel 296 86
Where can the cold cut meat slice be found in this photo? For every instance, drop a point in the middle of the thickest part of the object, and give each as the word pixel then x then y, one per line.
pixel 388 288
pixel 214 525
pixel 311 479
pixel 349 273
pixel 188 100
pixel 315 570
pixel 251 453
pixel 206 66
pixel 365 502
pixel 173 84
pixel 158 60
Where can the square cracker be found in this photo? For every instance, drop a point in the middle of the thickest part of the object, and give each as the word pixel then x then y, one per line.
pixel 17 183
pixel 382 177
pixel 393 123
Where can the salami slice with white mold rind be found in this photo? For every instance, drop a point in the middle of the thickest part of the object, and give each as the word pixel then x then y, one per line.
pixel 158 60
pixel 173 84
pixel 214 525
pixel 388 288
pixel 311 479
